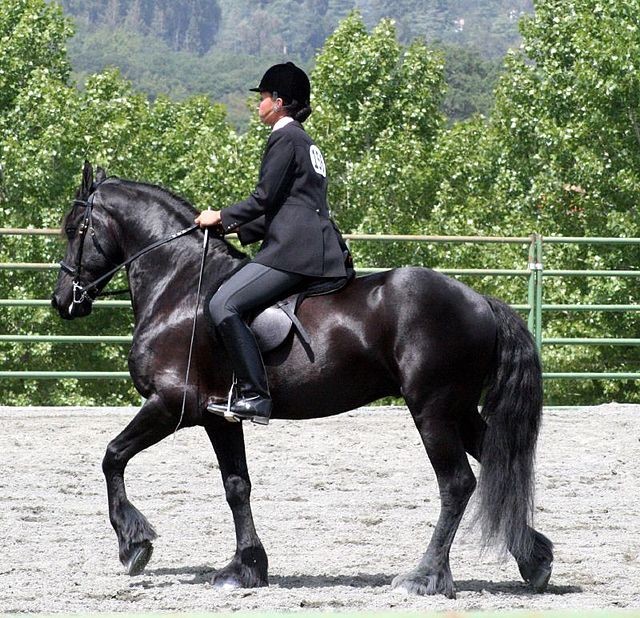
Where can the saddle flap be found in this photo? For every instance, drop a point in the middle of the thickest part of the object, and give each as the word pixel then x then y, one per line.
pixel 271 327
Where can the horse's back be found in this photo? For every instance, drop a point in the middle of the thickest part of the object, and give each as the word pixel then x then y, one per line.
pixel 413 299
pixel 443 303
pixel 379 334
pixel 409 302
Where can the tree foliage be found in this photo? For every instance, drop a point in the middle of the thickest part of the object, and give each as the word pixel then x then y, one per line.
pixel 376 114
pixel 471 79
pixel 559 154
pixel 32 38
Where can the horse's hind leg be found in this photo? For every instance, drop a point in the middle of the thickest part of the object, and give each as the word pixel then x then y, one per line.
pixel 456 482
pixel 135 534
pixel 536 567
pixel 249 566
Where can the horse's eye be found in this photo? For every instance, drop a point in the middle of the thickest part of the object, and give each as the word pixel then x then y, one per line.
pixel 70 231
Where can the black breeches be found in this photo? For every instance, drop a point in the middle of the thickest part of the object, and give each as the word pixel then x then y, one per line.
pixel 253 286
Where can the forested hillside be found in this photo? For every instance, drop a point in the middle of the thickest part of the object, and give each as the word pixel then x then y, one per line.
pixel 217 47
pixel 300 27
pixel 187 25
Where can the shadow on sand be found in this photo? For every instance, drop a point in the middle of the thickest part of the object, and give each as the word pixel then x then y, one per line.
pixel 203 574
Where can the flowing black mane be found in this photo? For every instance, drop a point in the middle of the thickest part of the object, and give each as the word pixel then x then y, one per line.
pixel 180 206
pixel 180 202
pixel 160 194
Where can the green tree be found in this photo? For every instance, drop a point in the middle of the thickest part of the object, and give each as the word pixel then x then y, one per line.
pixel 471 79
pixel 560 155
pixel 33 34
pixel 190 25
pixel 376 117
pixel 45 134
pixel 560 152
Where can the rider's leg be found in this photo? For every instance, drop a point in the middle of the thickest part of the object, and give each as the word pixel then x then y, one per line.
pixel 253 286
pixel 252 400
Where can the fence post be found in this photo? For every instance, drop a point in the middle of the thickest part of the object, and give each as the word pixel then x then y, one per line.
pixel 539 272
pixel 535 289
pixel 531 293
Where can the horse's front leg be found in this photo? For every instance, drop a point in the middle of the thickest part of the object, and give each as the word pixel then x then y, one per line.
pixel 135 534
pixel 249 566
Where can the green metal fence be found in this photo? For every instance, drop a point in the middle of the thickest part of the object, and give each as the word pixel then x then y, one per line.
pixel 533 275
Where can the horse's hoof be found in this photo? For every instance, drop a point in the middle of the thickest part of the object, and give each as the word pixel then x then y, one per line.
pixel 226 579
pixel 424 585
pixel 227 583
pixel 238 575
pixel 540 579
pixel 140 556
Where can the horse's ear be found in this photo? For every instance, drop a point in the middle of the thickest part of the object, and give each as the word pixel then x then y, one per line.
pixel 87 178
pixel 101 175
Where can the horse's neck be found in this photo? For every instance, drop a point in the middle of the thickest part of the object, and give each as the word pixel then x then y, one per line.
pixel 152 219
pixel 168 275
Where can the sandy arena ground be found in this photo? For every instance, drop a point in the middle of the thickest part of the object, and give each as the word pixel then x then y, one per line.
pixel 342 505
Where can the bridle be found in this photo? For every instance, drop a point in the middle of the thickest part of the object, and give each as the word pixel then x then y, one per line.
pixel 82 293
pixel 90 291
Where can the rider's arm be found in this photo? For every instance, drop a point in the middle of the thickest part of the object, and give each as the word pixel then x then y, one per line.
pixel 274 179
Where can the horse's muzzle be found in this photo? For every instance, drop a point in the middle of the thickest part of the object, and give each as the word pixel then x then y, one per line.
pixel 69 310
pixel 64 311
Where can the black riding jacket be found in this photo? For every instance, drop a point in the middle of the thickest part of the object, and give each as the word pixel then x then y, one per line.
pixel 291 195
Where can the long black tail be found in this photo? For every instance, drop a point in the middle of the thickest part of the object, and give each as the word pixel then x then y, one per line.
pixel 512 410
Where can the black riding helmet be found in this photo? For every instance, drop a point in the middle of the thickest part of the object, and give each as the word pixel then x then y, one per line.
pixel 289 81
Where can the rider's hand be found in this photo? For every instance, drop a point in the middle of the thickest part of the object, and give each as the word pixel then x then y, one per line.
pixel 208 218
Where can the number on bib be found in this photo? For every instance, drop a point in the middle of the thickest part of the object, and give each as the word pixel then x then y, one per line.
pixel 317 161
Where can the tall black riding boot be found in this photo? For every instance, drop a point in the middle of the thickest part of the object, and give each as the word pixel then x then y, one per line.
pixel 253 401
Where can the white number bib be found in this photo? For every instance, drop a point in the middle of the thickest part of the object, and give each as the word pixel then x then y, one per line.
pixel 317 161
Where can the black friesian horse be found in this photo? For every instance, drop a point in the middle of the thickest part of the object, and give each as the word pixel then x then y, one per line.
pixel 409 332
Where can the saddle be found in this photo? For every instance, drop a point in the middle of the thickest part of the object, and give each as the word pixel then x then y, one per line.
pixel 272 325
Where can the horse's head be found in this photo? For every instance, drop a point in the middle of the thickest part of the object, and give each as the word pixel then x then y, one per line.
pixel 91 250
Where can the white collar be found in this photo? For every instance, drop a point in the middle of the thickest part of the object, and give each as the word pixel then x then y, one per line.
pixel 283 122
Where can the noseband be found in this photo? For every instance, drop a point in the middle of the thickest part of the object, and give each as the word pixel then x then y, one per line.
pixel 89 292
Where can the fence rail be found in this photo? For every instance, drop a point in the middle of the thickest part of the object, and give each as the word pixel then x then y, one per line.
pixel 533 274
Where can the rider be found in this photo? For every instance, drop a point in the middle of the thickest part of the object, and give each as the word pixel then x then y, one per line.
pixel 288 211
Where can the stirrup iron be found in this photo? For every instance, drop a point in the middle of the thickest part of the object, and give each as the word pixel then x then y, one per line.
pixel 224 410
